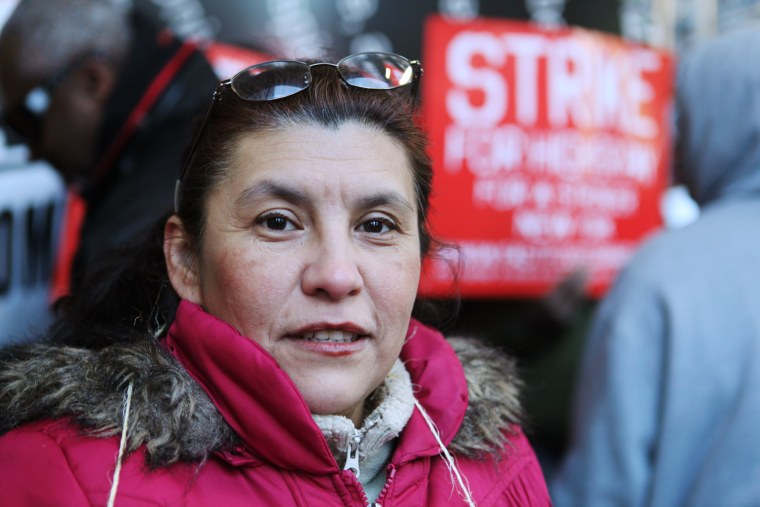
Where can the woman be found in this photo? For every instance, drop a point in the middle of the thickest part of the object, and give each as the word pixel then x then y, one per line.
pixel 290 372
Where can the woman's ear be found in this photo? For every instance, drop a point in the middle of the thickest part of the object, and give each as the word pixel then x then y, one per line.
pixel 181 261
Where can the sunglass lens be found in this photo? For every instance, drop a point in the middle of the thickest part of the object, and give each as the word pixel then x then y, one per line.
pixel 271 80
pixel 381 71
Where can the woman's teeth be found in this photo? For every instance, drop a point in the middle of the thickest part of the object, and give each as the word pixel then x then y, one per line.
pixel 335 336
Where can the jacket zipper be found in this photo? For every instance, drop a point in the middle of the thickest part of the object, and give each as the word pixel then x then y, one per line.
pixel 365 500
pixel 352 454
pixel 391 475
pixel 352 465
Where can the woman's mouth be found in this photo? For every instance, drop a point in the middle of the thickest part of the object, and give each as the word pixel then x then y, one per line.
pixel 331 342
pixel 331 336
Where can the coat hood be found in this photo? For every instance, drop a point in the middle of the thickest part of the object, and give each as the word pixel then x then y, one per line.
pixel 173 415
pixel 718 117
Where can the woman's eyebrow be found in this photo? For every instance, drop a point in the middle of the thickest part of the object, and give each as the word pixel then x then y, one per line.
pixel 391 198
pixel 268 188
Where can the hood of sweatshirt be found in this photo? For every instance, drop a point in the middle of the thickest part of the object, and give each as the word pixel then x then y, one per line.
pixel 718 118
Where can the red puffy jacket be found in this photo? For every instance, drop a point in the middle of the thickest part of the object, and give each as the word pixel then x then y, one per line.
pixel 282 458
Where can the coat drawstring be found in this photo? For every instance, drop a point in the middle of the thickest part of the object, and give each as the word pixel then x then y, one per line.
pixel 450 464
pixel 122 445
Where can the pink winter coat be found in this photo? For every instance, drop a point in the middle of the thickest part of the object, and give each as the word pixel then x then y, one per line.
pixel 281 457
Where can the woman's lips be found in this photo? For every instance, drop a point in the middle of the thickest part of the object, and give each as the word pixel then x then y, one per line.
pixel 332 342
pixel 332 335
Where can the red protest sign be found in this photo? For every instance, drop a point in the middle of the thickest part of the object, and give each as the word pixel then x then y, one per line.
pixel 227 59
pixel 550 150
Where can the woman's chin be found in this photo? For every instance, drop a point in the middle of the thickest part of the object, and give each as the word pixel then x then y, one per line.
pixel 336 390
pixel 341 402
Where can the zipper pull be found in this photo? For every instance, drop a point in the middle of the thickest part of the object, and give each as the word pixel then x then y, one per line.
pixel 352 455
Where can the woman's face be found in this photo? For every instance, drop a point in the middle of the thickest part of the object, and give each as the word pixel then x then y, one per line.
pixel 312 250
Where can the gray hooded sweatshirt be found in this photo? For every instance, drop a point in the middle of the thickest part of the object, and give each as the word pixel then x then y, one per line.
pixel 668 406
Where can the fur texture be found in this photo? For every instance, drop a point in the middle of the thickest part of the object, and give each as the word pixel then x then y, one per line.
pixel 174 418
pixel 494 390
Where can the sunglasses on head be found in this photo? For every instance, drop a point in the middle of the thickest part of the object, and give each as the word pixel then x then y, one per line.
pixel 24 120
pixel 279 79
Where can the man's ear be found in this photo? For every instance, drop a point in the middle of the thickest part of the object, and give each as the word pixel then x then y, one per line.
pixel 97 79
pixel 181 260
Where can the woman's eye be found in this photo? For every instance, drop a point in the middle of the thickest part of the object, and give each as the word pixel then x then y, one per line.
pixel 377 226
pixel 276 222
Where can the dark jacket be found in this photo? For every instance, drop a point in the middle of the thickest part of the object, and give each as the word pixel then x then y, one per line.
pixel 224 425
pixel 163 87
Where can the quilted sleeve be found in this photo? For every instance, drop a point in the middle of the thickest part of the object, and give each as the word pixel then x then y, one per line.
pixel 34 471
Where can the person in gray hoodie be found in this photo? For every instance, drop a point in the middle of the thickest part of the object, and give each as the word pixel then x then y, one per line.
pixel 668 403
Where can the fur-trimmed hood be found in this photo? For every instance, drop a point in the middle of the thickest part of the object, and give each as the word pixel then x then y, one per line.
pixel 172 415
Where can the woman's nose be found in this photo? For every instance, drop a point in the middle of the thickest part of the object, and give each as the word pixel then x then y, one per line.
pixel 333 272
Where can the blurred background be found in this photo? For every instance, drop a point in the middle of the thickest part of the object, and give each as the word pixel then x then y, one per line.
pixel 308 27
pixel 542 319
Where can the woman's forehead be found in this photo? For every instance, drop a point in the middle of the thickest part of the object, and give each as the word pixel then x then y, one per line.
pixel 320 154
pixel 348 135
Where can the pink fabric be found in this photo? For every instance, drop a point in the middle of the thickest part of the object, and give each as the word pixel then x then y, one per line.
pixel 284 459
